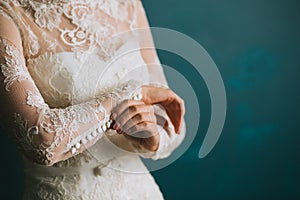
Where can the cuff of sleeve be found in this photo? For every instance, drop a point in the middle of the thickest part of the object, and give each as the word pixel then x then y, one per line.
pixel 163 145
pixel 162 151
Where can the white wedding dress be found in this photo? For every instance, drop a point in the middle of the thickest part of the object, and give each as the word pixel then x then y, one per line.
pixel 65 64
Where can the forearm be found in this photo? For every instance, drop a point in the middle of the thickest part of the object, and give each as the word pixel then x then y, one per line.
pixel 71 130
pixel 47 135
pixel 78 127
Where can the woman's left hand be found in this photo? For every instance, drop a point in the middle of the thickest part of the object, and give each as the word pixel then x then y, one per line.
pixel 137 121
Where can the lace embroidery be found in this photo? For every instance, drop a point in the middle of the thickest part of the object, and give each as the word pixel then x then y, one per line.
pixel 30 40
pixel 33 44
pixel 24 138
pixel 65 122
pixel 45 69
pixel 128 90
pixel 13 68
pixel 50 45
pixel 47 16
pixel 84 33
pixel 75 161
pixel 61 123
pixel 36 100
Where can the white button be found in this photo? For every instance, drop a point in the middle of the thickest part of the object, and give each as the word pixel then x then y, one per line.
pixel 94 133
pixel 83 141
pixel 108 124
pixel 73 150
pixel 99 130
pixel 77 145
pixel 104 128
pixel 89 137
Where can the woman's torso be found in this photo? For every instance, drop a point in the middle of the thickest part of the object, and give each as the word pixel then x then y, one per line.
pixel 74 49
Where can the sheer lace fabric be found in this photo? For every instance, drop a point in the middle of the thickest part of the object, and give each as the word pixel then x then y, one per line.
pixel 64 66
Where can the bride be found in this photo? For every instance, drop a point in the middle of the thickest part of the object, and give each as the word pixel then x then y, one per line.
pixel 84 98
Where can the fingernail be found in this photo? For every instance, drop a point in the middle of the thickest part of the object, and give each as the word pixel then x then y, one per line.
pixel 116 126
pixel 113 116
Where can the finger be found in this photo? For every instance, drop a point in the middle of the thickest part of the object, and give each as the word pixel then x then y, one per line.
pixel 139 118
pixel 163 122
pixel 143 130
pixel 131 111
pixel 172 103
pixel 122 106
pixel 175 111
pixel 182 108
pixel 180 115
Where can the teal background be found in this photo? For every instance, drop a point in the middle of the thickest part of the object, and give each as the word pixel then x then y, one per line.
pixel 255 44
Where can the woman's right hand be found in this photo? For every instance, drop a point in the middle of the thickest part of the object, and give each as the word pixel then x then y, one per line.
pixel 169 100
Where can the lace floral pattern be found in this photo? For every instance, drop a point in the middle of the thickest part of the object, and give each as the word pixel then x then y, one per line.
pixel 24 137
pixel 13 68
pixel 65 122
pixel 50 66
pixel 35 101
pixel 84 32
pixel 61 123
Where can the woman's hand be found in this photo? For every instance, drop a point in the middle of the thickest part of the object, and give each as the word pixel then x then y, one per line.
pixel 170 101
pixel 137 122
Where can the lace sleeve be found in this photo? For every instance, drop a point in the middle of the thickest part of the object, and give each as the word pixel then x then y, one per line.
pixel 169 140
pixel 47 135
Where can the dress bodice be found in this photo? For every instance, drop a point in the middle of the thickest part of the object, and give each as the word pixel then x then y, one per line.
pixel 67 78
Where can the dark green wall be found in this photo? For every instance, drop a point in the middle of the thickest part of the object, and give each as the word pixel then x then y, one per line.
pixel 255 44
